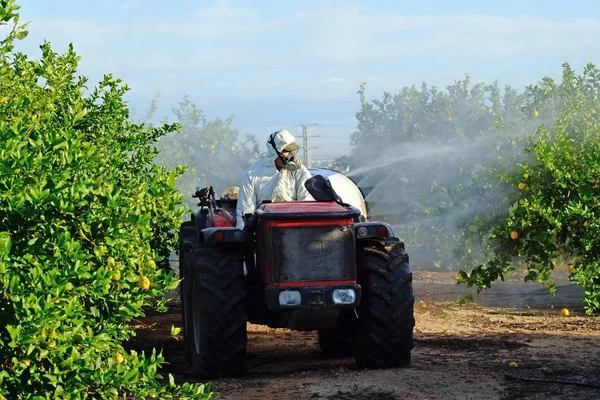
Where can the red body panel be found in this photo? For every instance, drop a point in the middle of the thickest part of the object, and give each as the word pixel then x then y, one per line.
pixel 301 206
pixel 223 219
pixel 316 283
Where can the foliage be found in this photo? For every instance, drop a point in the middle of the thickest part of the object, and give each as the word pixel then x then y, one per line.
pixel 555 216
pixel 437 156
pixel 211 148
pixel 84 214
pixel 480 178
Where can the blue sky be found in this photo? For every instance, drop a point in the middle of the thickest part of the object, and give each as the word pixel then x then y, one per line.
pixel 275 64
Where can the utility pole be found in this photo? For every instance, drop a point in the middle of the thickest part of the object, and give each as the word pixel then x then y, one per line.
pixel 306 143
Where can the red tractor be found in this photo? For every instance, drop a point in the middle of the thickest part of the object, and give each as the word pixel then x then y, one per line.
pixel 299 265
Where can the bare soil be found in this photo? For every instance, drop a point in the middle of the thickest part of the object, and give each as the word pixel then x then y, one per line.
pixel 461 351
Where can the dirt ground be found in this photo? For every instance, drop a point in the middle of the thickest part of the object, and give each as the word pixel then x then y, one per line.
pixel 461 351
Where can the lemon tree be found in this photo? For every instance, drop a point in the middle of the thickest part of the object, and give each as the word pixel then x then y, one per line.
pixel 555 194
pixel 212 149
pixel 84 213
pixel 440 153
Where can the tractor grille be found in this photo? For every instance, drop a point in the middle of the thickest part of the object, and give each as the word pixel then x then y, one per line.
pixel 310 253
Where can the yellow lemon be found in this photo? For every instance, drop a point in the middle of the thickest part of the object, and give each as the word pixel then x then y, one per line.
pixel 526 176
pixel 521 202
pixel 151 264
pixel 535 113
pixel 26 362
pixel 110 260
pixel 115 276
pixel 521 186
pixel 514 235
pixel 119 358
pixel 571 268
pixel 513 364
pixel 585 224
pixel 144 282
pixel 564 312
pixel 449 119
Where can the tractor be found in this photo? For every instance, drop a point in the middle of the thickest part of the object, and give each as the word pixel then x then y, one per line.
pixel 318 265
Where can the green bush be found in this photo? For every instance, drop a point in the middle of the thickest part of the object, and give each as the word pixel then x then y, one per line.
pixel 84 215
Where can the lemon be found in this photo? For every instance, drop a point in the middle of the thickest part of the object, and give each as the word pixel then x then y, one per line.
pixel 110 261
pixel 144 282
pixel 119 358
pixel 26 362
pixel 521 186
pixel 585 224
pixel 526 176
pixel 69 286
pixel 514 235
pixel 115 276
pixel 571 268
pixel 564 312
pixel 449 119
pixel 535 113
pixel 513 364
pixel 521 202
pixel 151 264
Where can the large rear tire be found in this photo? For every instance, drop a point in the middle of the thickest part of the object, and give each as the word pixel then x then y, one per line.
pixel 187 239
pixel 384 333
pixel 219 312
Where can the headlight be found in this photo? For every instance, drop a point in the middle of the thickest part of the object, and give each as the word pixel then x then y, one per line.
pixel 290 298
pixel 344 296
pixel 362 232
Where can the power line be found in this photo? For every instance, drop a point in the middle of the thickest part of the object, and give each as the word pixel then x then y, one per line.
pixel 306 144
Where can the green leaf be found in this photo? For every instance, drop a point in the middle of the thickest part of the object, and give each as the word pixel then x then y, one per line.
pixel 5 243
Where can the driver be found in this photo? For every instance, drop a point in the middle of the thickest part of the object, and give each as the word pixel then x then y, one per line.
pixel 278 177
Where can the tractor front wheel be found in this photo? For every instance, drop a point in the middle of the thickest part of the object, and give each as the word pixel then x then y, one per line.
pixel 384 333
pixel 218 344
pixel 187 240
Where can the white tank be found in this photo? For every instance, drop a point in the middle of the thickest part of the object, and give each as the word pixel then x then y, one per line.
pixel 349 192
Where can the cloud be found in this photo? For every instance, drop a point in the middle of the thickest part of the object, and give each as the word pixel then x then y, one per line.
pixel 300 62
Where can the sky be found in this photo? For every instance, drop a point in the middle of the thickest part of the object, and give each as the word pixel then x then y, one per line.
pixel 276 64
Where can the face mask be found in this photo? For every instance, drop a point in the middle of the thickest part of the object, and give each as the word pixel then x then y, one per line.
pixel 288 164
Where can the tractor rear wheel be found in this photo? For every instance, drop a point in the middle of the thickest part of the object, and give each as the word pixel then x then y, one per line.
pixel 219 313
pixel 187 239
pixel 384 333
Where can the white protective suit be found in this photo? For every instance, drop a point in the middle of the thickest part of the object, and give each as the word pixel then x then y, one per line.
pixel 265 182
